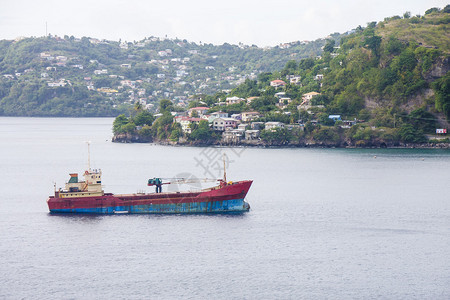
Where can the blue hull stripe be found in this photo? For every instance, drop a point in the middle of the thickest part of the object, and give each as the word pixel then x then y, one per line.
pixel 234 205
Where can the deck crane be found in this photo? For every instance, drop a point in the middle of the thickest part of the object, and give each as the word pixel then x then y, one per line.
pixel 158 182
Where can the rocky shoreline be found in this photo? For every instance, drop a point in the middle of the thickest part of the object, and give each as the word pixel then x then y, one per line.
pixel 128 138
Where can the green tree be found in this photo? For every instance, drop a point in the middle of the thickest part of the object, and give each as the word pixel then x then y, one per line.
pixel 176 132
pixel 144 118
pixel 278 136
pixel 326 135
pixel 432 10
pixel 422 120
pixel 165 105
pixel 194 114
pixel 202 132
pixel 118 123
pixel 130 127
pixel 441 89
pixel 409 134
pixel 162 127
pixel 329 46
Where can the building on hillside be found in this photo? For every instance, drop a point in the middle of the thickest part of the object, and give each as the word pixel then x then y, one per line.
pixel 220 114
pixel 309 96
pixel 280 94
pixel 306 99
pixel 233 135
pixel 221 124
pixel 284 101
pixel 233 100
pixel 186 122
pixel 249 116
pixel 250 99
pixel 257 125
pixel 277 83
pixel 252 135
pixel 294 126
pixel 348 123
pixel 201 110
pixel 335 117
pixel 236 116
pixel 242 126
pixel 294 79
pixel 318 77
pixel 273 125
pixel 217 114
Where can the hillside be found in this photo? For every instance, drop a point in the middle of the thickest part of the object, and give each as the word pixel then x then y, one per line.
pixel 53 76
pixel 380 86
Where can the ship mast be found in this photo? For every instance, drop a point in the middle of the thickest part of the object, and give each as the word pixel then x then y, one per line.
pixel 224 170
pixel 89 156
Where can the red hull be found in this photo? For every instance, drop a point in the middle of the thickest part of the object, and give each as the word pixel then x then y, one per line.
pixel 229 197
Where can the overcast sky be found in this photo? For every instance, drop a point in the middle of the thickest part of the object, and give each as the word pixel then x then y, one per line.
pixel 260 22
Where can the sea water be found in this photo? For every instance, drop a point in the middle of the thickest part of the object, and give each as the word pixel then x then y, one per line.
pixel 324 223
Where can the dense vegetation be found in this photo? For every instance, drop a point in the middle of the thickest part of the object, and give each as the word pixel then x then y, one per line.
pixel 392 77
pixel 52 76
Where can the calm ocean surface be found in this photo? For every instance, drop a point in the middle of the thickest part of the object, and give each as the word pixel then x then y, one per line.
pixel 323 224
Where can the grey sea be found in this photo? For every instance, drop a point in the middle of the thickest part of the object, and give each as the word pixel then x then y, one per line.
pixel 323 224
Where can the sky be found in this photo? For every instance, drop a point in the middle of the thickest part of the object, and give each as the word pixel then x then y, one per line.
pixel 258 22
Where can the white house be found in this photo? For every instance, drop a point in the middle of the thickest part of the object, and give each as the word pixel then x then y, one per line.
pixel 273 125
pixel 99 72
pixel 318 77
pixel 242 126
pixel 306 98
pixel 186 122
pixel 233 100
pixel 295 80
pixel 217 114
pixel 309 96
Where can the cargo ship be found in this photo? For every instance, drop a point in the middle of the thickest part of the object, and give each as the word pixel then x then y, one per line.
pixel 87 196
